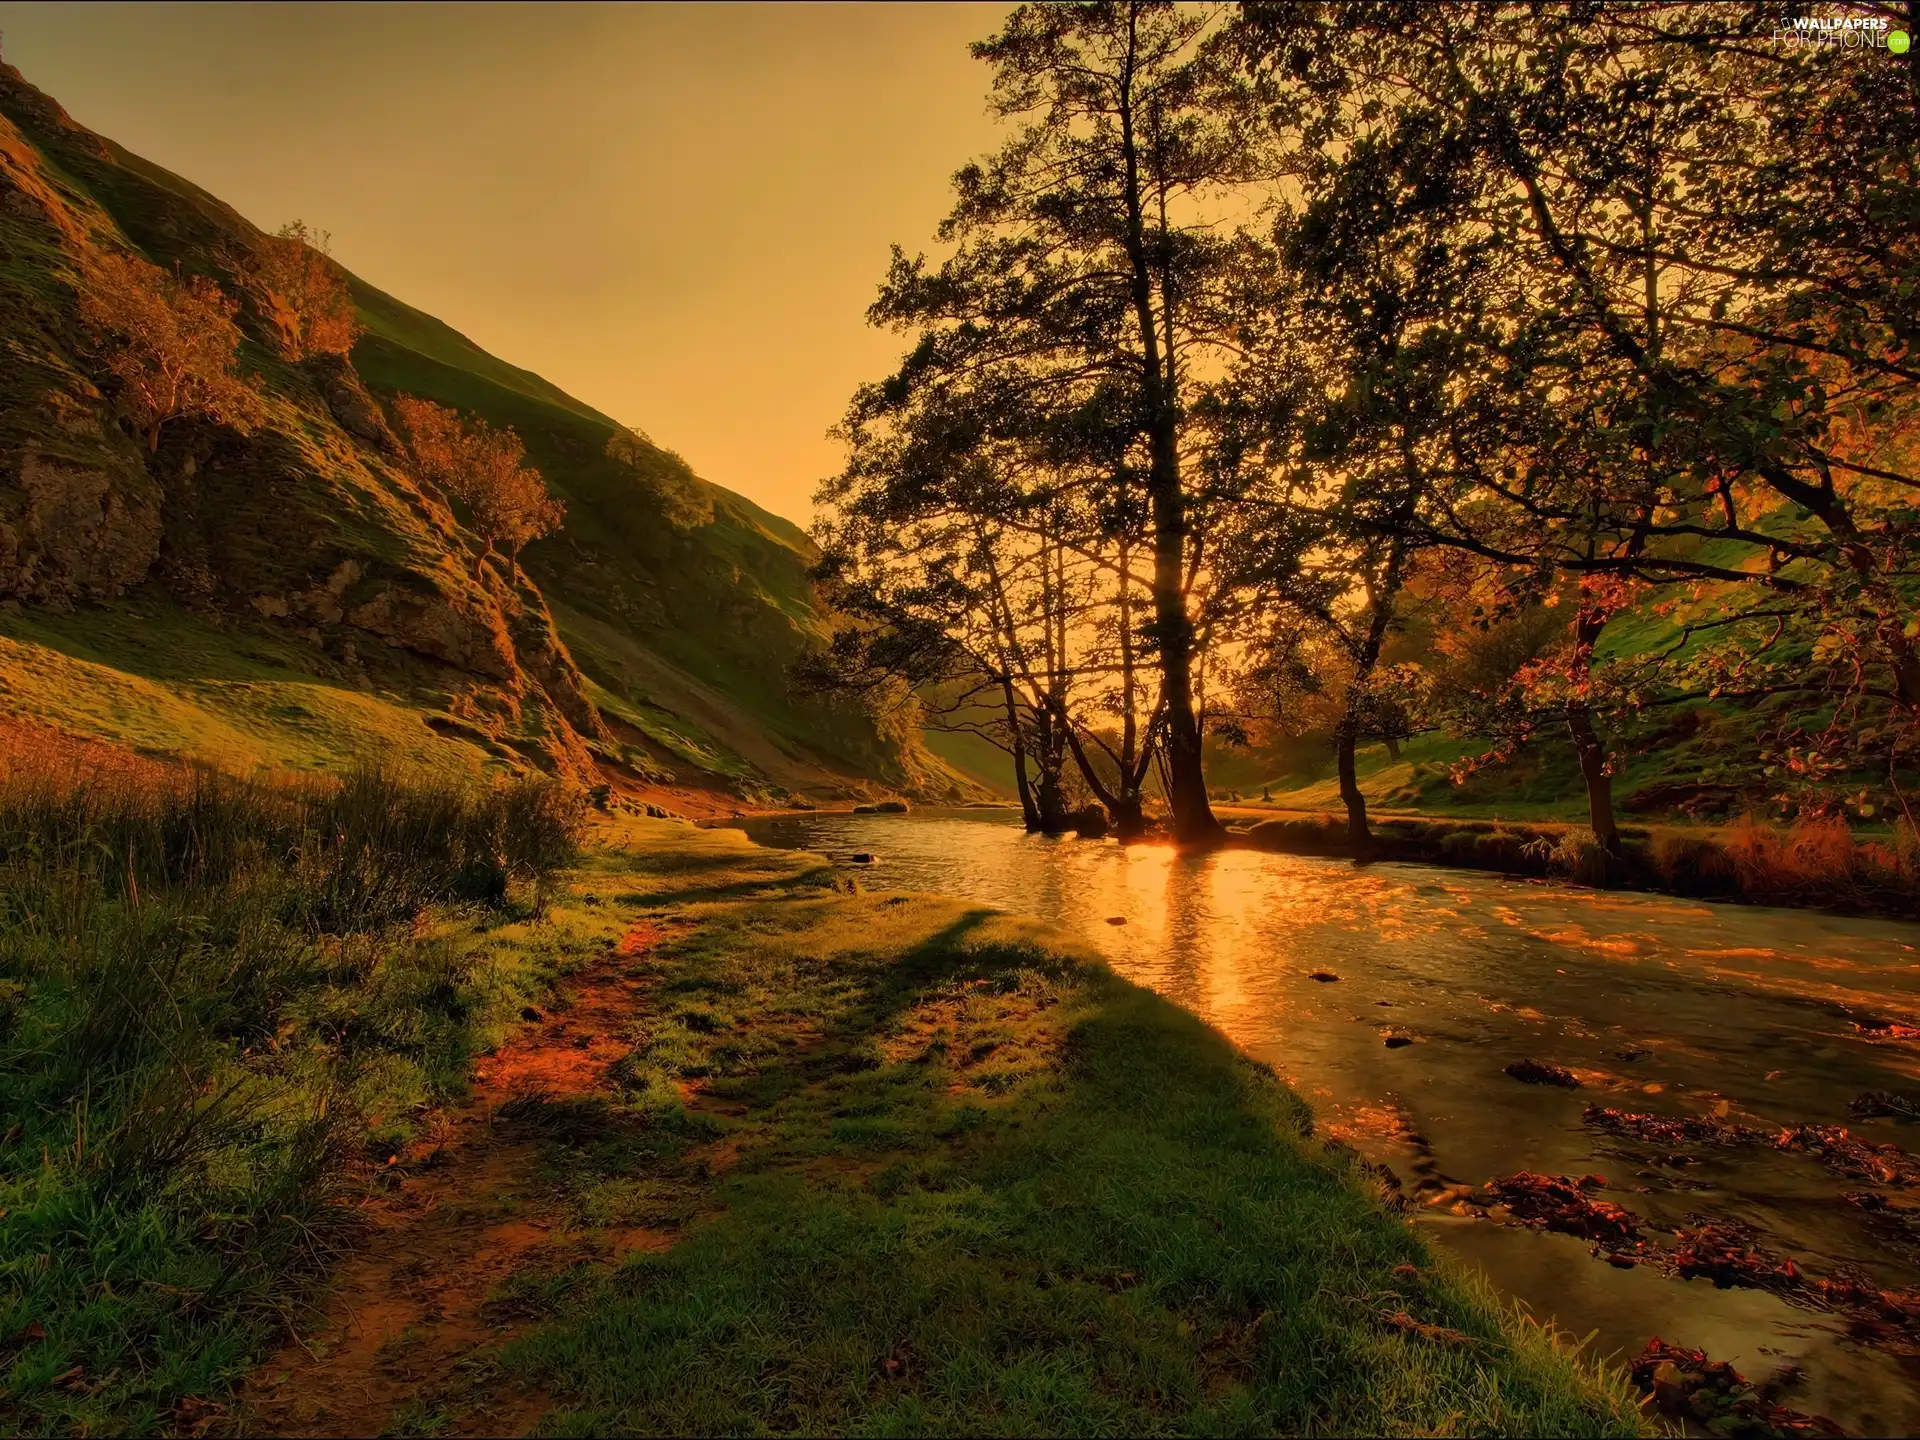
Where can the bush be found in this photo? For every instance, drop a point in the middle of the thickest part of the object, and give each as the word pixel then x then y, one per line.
pixel 1575 853
pixel 1691 864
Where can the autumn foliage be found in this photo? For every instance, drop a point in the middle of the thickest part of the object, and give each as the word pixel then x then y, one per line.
pixel 302 293
pixel 169 341
pixel 483 468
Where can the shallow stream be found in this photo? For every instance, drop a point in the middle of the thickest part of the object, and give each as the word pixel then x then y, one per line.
pixel 1750 1015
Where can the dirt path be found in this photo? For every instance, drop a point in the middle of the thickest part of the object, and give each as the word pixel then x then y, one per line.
pixel 411 1325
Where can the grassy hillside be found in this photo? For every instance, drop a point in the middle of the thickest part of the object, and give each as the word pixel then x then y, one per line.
pixel 296 595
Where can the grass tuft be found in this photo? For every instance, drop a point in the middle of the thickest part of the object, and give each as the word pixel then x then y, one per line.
pixel 217 997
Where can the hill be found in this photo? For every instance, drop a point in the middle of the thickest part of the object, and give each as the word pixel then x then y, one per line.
pixel 298 596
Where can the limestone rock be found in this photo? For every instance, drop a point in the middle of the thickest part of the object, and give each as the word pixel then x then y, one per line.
pixel 350 403
pixel 430 624
pixel 75 532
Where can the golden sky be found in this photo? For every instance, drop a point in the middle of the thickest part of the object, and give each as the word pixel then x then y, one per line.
pixel 677 213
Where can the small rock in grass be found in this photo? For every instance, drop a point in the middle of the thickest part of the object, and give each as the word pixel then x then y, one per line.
pixel 529 1013
pixel 1325 977
pixel 1116 919
pixel 1532 1072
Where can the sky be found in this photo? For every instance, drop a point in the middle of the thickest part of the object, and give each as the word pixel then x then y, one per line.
pixel 677 213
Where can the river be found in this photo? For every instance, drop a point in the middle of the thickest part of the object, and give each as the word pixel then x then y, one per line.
pixel 1657 1004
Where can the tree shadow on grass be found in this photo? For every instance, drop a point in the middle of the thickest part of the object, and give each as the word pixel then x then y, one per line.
pixel 948 957
pixel 767 887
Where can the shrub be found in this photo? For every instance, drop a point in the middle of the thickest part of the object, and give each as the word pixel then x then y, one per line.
pixel 1575 853
pixel 1691 864
pixel 507 501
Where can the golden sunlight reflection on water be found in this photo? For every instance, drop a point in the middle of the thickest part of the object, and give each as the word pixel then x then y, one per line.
pixel 1653 1003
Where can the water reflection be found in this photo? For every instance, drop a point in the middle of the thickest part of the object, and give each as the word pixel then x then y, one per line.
pixel 1654 1003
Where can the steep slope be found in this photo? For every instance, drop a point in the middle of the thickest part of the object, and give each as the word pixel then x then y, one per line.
pixel 298 594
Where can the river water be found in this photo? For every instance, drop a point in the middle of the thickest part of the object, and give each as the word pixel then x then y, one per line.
pixel 1658 1004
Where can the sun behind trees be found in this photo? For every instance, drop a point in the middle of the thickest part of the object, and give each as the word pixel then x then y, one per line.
pixel 1250 367
pixel 168 342
pixel 507 501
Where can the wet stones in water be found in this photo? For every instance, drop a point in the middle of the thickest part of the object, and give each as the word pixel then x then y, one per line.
pixel 1532 1072
pixel 1900 1104
pixel 1325 977
pixel 1396 1042
pixel 864 857
pixel 1727 1256
pixel 1555 1202
pixel 1631 1055
pixel 1835 1147
pixel 1686 1385
pixel 1876 1027
pixel 1670 1129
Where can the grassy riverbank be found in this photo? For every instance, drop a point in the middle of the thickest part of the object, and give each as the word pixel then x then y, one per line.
pixel 762 1152
pixel 1813 863
pixel 976 1182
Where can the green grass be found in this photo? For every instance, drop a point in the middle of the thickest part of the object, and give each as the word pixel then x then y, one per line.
pixel 1701 749
pixel 925 1168
pixel 982 1185
pixel 154 678
pixel 218 1002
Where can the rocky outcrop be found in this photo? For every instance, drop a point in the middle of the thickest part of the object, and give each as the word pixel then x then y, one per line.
pixel 350 404
pixel 74 532
pixel 431 623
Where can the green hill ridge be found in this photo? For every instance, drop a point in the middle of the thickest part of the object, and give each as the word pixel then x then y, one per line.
pixel 297 596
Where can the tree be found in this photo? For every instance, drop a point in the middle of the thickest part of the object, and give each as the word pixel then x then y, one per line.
pixel 507 502
pixel 668 481
pixel 947 543
pixel 1698 369
pixel 169 342
pixel 302 292
pixel 1098 249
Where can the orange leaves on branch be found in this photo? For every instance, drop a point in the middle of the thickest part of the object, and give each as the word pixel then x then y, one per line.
pixel 170 343
pixel 302 293
pixel 507 501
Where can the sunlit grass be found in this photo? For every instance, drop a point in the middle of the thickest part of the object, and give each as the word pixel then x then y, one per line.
pixel 219 1000
pixel 976 1182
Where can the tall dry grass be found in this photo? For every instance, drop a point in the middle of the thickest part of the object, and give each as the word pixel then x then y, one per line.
pixel 1814 861
pixel 202 978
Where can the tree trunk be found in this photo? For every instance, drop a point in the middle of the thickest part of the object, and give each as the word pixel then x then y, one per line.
pixel 153 437
pixel 1393 747
pixel 1053 803
pixel 1193 817
pixel 1029 811
pixel 1345 735
pixel 1593 770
